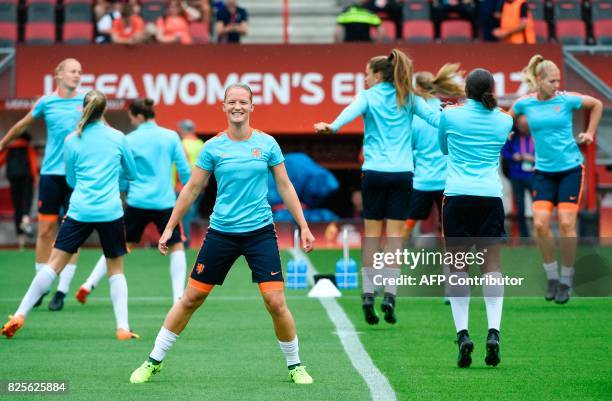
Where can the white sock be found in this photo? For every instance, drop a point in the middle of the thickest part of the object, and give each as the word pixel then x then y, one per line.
pixel 40 285
pixel 367 279
pixel 164 341
pixel 65 278
pixel 460 302
pixel 178 271
pixel 393 274
pixel 494 300
pixel 39 266
pixel 567 275
pixel 291 349
pixel 119 296
pixel 552 270
pixel 96 274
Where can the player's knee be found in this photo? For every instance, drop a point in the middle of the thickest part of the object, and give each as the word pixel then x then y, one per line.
pixel 193 300
pixel 47 230
pixel 567 228
pixel 275 304
pixel 542 226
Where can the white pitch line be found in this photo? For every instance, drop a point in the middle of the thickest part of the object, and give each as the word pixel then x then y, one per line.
pixel 380 388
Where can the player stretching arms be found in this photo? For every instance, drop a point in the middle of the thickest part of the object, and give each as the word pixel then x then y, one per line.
pixel 472 135
pixel 387 106
pixel 150 197
pixel 241 224
pixel 61 111
pixel 94 154
pixel 559 172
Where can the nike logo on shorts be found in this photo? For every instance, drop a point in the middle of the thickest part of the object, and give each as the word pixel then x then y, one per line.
pixel 274 273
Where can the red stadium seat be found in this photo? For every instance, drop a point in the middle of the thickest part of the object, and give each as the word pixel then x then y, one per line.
pixel 77 12
pixel 455 31
pixel 571 32
pixel 40 33
pixel 418 31
pixel 602 30
pixel 199 32
pixel 41 12
pixel 568 10
pixel 388 31
pixel 416 10
pixel 601 10
pixel 541 31
pixel 151 11
pixel 52 2
pixel 8 33
pixel 78 32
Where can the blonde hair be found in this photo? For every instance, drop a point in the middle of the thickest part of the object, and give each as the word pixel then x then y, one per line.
pixel 94 106
pixel 63 63
pixel 442 84
pixel 537 67
pixel 397 69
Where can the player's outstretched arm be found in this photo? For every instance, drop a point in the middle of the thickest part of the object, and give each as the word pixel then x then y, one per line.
pixel 16 130
pixel 291 200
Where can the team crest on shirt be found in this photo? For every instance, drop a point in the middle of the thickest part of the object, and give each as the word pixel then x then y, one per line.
pixel 557 109
pixel 199 268
pixel 256 152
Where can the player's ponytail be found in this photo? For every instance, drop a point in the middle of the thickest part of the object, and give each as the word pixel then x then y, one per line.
pixel 444 83
pixel 395 68
pixel 479 86
pixel 536 68
pixel 94 106
pixel 143 107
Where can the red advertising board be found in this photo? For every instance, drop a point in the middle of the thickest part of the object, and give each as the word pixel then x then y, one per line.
pixel 294 86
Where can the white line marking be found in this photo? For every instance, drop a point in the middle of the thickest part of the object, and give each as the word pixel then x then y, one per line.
pixel 380 388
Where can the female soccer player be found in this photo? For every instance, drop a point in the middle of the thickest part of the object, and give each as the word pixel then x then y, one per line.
pixel 472 135
pixel 61 112
pixel 94 155
pixel 559 172
pixel 429 162
pixel 387 106
pixel 150 197
pixel 241 224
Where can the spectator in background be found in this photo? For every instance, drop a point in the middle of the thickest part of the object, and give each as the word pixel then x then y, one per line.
pixel 516 25
pixel 355 22
pixel 489 12
pixel 442 10
pixel 231 22
pixel 173 27
pixel 392 10
pixel 105 13
pixel 129 29
pixel 21 171
pixel 519 156
pixel 192 145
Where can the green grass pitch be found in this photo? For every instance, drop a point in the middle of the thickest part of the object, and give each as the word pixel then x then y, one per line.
pixel 229 352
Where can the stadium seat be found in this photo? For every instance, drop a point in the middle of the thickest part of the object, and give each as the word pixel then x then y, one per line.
pixel 416 10
pixel 455 31
pixel 52 2
pixel 151 11
pixel 541 31
pixel 388 31
pixel 541 24
pixel 40 33
pixel 601 10
pixel 78 33
pixel 571 32
pixel 8 33
pixel 199 32
pixel 41 12
pixel 418 31
pixel 8 12
pixel 602 30
pixel 568 10
pixel 77 12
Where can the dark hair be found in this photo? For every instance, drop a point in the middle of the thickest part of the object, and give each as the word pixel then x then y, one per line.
pixel 397 69
pixel 479 86
pixel 94 106
pixel 143 107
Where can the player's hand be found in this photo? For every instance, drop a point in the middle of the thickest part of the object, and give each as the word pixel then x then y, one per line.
pixel 163 241
pixel 307 239
pixel 323 128
pixel 585 138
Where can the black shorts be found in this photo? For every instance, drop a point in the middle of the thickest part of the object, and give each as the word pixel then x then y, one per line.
pixel 72 234
pixel 559 187
pixel 467 217
pixel 421 203
pixel 136 220
pixel 53 194
pixel 386 195
pixel 220 250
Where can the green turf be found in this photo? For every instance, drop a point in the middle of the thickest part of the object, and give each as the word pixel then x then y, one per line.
pixel 229 352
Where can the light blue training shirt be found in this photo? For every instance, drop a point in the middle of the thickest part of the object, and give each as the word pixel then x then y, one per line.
pixel 472 136
pixel 61 116
pixel 155 149
pixel 429 162
pixel 550 123
pixel 241 169
pixel 387 141
pixel 93 163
